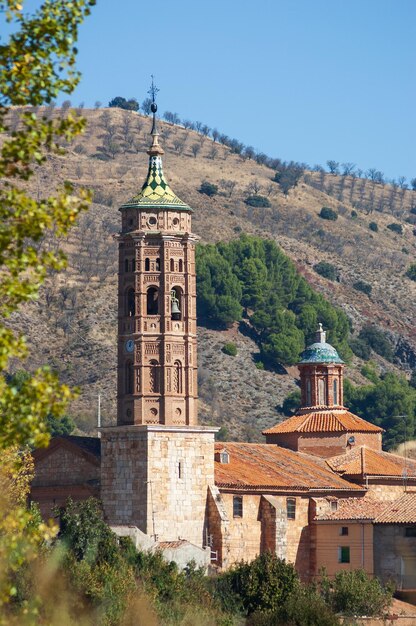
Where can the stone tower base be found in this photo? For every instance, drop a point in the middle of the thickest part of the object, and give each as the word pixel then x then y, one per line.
pixel 156 477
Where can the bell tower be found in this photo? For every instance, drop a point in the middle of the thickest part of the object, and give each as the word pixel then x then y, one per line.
pixel 157 376
pixel 157 463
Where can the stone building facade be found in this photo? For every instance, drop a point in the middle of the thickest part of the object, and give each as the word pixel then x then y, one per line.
pixel 157 471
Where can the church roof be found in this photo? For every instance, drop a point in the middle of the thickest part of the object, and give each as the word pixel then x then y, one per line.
pixel 320 351
pixel 155 192
pixel 255 466
pixel 324 421
pixel 401 511
pixel 363 461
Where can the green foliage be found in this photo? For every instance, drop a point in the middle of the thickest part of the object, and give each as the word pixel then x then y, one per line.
pixel 122 103
pixel 327 270
pixel 368 371
pixel 354 214
pixel 209 189
pixel 412 381
pixel 288 177
pixel 377 340
pixel 284 310
pixel 373 226
pixel 303 607
pixel 328 214
pixel 354 593
pixel 37 63
pixel 264 584
pixel 291 403
pixel 222 434
pixel 360 348
pixel 395 228
pixel 258 201
pixel 361 285
pixel 230 349
pixel 384 403
pixel 411 272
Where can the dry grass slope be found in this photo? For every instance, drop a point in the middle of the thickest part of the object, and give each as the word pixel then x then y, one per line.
pixel 73 324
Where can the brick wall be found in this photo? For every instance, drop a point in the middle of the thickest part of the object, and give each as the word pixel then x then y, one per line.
pixel 324 444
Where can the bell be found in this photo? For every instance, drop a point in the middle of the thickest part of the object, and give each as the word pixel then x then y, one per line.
pixel 175 310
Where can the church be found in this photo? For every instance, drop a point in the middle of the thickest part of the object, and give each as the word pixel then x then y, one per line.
pixel 320 492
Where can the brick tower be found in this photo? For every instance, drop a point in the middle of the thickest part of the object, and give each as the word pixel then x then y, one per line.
pixel 157 376
pixel 157 462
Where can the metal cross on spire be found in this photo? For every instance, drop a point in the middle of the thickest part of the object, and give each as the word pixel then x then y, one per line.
pixel 154 149
pixel 153 91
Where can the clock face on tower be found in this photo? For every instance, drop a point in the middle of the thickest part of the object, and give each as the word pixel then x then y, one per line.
pixel 129 345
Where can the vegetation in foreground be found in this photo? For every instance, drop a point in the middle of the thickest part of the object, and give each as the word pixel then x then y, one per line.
pixel 99 579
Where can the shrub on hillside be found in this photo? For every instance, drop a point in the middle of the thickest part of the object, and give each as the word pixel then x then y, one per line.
pixel 377 340
pixel 257 201
pixel 361 285
pixel 288 177
pixel 395 228
pixel 411 272
pixel 354 214
pixel 209 189
pixel 327 270
pixel 303 607
pixel 373 226
pixel 230 349
pixel 360 348
pixel 291 403
pixel 328 214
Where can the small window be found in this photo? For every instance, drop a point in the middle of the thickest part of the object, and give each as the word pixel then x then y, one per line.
pixel 147 265
pixel 224 457
pixel 129 377
pixel 343 531
pixel 343 554
pixel 291 508
pixel 158 265
pixel 126 265
pixel 180 469
pixel 131 303
pixel 132 265
pixel 308 392
pixel 237 506
pixel 335 392
pixel 180 265
pixel 410 531
pixel 334 505
pixel 172 265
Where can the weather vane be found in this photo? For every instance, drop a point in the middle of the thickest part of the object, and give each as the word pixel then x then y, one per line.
pixel 152 93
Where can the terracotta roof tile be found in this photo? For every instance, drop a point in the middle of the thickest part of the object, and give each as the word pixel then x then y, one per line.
pixel 348 509
pixel 261 466
pixel 401 511
pixel 172 544
pixel 324 421
pixel 362 461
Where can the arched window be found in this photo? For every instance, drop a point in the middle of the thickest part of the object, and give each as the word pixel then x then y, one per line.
pixel 177 377
pixel 132 265
pixel 154 377
pixel 335 389
pixel 131 303
pixel 158 265
pixel 180 265
pixel 126 265
pixel 129 377
pixel 321 392
pixel 291 508
pixel 308 392
pixel 147 265
pixel 152 301
pixel 176 303
pixel 172 265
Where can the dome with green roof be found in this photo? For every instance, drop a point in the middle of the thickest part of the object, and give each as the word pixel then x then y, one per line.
pixel 320 351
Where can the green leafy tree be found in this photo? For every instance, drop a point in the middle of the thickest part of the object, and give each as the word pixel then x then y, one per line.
pixel 291 403
pixel 37 63
pixel 209 189
pixel 377 340
pixel 258 201
pixel 361 285
pixel 122 103
pixel 355 593
pixel 230 349
pixel 373 226
pixel 395 228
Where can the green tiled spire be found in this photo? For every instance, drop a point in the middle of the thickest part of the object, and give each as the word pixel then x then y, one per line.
pixel 320 351
pixel 155 192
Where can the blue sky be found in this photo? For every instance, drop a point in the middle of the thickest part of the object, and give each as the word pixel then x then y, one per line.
pixel 308 80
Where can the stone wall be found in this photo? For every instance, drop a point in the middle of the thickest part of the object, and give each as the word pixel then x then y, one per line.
pixel 157 478
pixel 395 555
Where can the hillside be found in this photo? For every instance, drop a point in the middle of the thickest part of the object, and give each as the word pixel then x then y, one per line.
pixel 73 325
